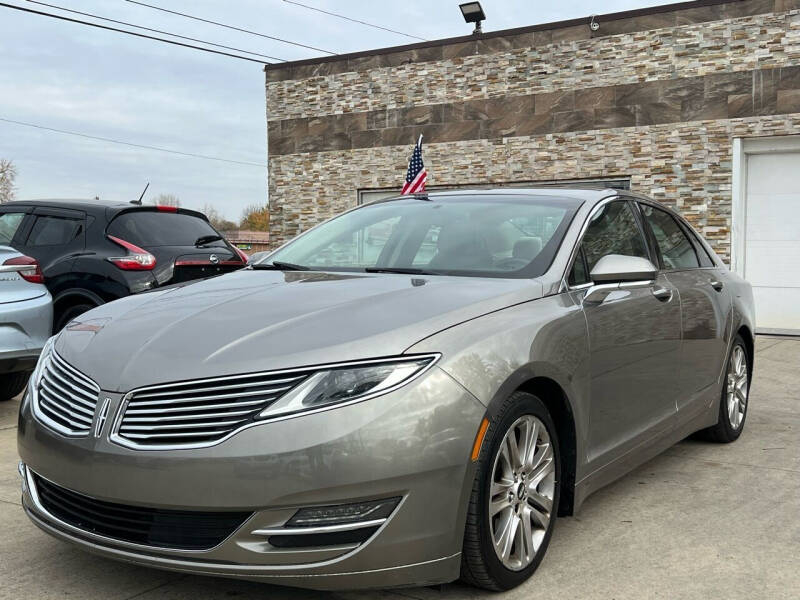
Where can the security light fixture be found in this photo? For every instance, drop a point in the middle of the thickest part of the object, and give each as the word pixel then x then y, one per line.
pixel 473 13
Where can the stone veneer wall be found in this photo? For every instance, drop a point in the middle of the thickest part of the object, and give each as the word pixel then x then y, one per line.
pixel 660 106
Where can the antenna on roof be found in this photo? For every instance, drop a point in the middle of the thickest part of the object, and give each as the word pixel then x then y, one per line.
pixel 139 201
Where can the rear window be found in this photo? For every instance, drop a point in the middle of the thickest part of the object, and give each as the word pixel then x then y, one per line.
pixel 151 228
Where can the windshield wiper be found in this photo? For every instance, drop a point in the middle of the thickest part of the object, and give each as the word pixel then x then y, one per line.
pixel 206 239
pixel 400 270
pixel 278 265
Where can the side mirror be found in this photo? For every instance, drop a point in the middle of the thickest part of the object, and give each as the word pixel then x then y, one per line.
pixel 616 271
pixel 617 268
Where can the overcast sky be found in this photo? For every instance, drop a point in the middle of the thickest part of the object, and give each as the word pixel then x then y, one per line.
pixel 77 78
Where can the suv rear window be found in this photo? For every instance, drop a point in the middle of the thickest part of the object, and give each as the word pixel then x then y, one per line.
pixel 151 228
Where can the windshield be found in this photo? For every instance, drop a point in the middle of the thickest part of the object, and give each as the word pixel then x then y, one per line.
pixel 482 236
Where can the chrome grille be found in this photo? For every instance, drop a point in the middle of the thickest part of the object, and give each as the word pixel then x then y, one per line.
pixel 66 398
pixel 198 413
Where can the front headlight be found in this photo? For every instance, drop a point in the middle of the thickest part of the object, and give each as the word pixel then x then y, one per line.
pixel 347 384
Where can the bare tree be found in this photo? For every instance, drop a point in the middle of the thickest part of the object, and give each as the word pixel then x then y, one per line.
pixel 8 173
pixel 216 219
pixel 167 200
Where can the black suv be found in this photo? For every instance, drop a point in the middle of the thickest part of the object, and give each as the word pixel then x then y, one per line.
pixel 93 252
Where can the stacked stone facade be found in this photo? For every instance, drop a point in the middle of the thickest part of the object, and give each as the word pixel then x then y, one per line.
pixel 656 97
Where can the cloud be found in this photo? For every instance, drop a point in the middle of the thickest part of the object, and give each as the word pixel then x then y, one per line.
pixel 73 77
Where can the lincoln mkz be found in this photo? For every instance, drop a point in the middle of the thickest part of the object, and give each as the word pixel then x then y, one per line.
pixel 406 394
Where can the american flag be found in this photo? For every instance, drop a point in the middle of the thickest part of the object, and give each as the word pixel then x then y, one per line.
pixel 416 175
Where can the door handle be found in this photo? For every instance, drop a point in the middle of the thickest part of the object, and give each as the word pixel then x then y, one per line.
pixel 662 293
pixel 716 284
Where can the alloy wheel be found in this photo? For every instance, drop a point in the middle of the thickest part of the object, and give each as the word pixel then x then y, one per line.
pixel 737 387
pixel 522 490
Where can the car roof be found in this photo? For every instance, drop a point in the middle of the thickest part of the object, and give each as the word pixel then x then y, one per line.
pixel 82 204
pixel 583 193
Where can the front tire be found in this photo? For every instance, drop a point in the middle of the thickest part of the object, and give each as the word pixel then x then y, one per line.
pixel 515 496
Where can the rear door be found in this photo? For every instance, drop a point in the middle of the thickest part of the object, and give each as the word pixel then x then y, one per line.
pixel 634 338
pixel 705 306
pixel 54 237
pixel 181 241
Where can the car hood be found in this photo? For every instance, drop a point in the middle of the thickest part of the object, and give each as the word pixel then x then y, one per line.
pixel 262 320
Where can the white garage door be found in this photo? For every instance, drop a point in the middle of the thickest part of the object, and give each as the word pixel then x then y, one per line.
pixel 772 240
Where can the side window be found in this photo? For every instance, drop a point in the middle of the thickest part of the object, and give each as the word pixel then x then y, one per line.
pixel 702 253
pixel 677 251
pixel 9 223
pixel 613 230
pixel 54 231
pixel 578 275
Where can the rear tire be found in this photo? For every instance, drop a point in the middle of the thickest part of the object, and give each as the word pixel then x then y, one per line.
pixel 733 397
pixel 506 497
pixel 11 384
pixel 70 313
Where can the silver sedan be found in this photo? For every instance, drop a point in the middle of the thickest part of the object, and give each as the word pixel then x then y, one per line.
pixel 26 319
pixel 407 394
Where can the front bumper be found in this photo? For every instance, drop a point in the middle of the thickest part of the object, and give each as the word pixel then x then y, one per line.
pixel 413 443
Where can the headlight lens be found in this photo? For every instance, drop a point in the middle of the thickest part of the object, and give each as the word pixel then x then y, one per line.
pixel 346 384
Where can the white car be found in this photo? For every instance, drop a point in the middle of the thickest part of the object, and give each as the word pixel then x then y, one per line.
pixel 26 319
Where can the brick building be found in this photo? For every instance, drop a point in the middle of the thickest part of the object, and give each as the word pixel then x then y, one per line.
pixel 696 104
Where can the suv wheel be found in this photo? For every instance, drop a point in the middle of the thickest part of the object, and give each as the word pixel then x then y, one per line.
pixel 515 495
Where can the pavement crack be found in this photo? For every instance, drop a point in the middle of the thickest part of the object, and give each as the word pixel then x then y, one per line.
pixel 11 502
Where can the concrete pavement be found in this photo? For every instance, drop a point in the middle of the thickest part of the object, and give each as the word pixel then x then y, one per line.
pixel 700 521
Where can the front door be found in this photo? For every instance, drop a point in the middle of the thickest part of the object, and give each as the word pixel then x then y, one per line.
pixel 634 339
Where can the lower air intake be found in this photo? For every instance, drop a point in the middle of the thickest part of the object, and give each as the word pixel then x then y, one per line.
pixel 178 529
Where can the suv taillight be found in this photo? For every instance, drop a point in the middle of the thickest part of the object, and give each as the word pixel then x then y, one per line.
pixel 137 260
pixel 242 255
pixel 31 270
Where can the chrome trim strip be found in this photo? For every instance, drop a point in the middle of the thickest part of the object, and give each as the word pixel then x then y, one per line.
pixel 267 392
pixel 219 387
pixel 320 529
pixel 118 439
pixel 150 411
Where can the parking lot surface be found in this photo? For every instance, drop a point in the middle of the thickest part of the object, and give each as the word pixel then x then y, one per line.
pixel 700 521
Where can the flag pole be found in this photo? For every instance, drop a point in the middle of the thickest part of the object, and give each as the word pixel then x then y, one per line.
pixel 419 142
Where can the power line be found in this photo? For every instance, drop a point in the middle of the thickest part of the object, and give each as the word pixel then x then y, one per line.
pixel 183 37
pixel 141 35
pixel 112 141
pixel 269 37
pixel 354 20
